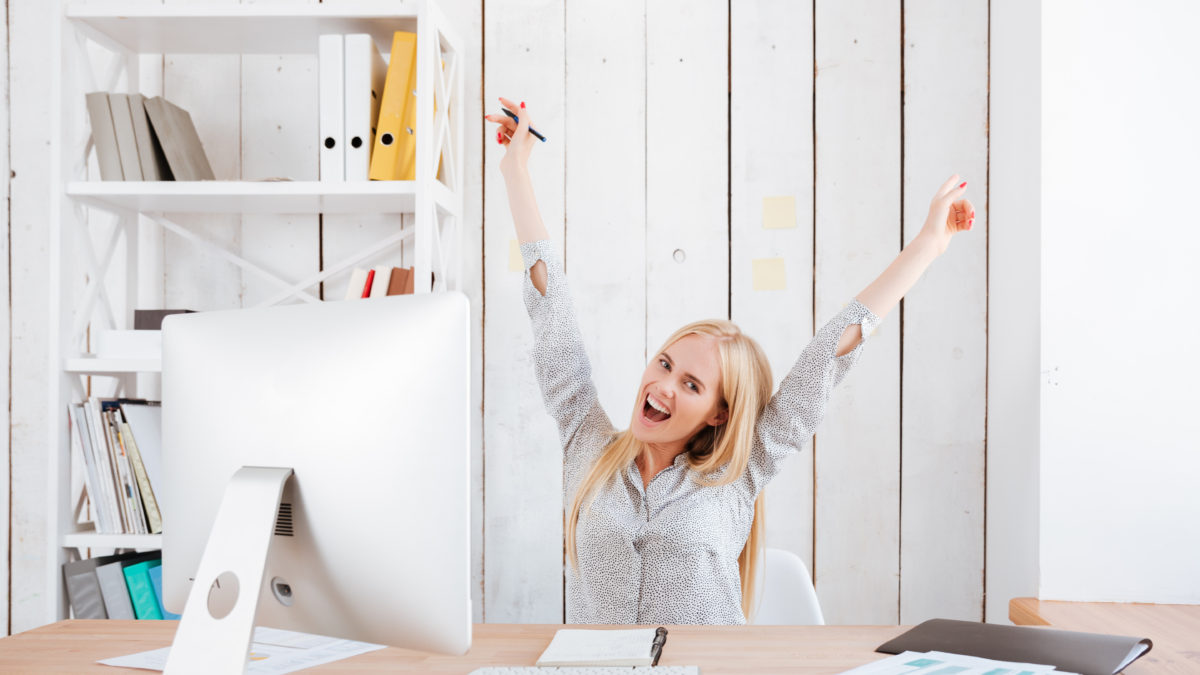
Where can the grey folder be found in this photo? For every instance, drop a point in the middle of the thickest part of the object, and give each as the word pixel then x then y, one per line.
pixel 126 140
pixel 104 136
pixel 180 142
pixel 111 576
pixel 83 589
pixel 150 153
pixel 1083 653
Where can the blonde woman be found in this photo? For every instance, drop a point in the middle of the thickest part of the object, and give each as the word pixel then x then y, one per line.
pixel 665 520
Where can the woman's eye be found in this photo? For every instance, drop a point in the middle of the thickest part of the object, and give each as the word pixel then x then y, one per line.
pixel 662 362
pixel 693 386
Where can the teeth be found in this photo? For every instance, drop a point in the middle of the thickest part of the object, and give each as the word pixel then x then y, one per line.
pixel 650 400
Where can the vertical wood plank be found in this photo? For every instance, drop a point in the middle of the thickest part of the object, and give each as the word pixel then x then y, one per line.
pixel 945 318
pixel 1014 305
pixel 771 159
pixel 279 139
pixel 209 87
pixel 606 236
pixel 524 44
pixel 687 166
pixel 6 329
pixel 30 85
pixel 857 448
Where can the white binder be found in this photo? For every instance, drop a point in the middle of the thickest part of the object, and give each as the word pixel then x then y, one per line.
pixel 331 77
pixel 365 73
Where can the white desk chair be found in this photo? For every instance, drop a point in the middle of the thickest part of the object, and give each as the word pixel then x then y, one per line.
pixel 786 595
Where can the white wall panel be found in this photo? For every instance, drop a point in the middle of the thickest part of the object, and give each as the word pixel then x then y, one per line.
pixel 771 166
pixel 523 556
pixel 945 318
pixel 857 447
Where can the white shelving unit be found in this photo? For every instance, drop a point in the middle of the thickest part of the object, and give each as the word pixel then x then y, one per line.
pixel 130 30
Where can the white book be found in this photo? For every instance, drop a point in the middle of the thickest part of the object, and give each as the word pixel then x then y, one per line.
pixel 599 647
pixel 104 467
pixel 330 106
pixel 365 72
pixel 383 276
pixel 358 279
pixel 79 441
pixel 111 473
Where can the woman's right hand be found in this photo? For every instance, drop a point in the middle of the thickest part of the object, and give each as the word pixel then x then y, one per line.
pixel 514 135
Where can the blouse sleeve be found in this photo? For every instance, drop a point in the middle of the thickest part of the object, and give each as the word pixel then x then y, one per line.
pixel 793 413
pixel 559 360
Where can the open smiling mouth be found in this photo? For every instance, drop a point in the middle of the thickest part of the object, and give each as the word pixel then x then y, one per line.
pixel 652 414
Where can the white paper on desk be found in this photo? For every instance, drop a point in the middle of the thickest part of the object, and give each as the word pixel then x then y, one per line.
pixel 941 663
pixel 272 651
pixel 599 647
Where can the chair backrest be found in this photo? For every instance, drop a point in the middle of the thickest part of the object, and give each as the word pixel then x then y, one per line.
pixel 785 592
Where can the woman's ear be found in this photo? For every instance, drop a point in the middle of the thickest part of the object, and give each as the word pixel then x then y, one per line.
pixel 720 418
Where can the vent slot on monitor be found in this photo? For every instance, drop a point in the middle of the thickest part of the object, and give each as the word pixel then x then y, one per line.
pixel 283 521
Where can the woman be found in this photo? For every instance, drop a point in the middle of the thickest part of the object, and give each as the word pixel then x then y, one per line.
pixel 665 518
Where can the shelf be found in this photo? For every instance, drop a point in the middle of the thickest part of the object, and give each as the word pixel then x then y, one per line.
pixel 93 540
pixel 239 29
pixel 91 364
pixel 225 196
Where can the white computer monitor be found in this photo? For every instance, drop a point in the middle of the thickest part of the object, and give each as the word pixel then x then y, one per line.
pixel 367 402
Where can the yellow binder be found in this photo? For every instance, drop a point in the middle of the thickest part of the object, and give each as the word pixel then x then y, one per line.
pixel 390 133
pixel 394 155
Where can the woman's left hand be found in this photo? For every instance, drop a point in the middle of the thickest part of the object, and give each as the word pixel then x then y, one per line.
pixel 948 214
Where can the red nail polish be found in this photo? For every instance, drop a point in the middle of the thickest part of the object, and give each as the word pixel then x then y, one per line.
pixel 964 183
pixel 522 104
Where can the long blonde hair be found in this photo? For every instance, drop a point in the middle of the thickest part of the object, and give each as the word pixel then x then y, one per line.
pixel 745 390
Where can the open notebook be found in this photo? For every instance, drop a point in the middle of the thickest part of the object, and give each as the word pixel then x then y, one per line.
pixel 592 647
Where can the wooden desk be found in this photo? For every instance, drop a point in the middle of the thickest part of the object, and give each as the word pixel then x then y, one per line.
pixel 1174 629
pixel 74 646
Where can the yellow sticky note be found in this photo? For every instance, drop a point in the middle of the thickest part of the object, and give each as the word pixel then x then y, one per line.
pixel 779 213
pixel 515 262
pixel 768 274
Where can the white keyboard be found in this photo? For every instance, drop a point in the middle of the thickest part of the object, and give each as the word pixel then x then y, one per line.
pixel 587 670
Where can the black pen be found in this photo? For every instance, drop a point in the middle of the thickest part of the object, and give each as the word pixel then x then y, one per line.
pixel 660 639
pixel 517 119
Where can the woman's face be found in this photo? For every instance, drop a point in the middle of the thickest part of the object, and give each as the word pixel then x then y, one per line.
pixel 685 380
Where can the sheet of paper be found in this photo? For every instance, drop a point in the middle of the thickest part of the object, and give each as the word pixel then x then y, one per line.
pixel 779 213
pixel 941 663
pixel 768 274
pixel 273 651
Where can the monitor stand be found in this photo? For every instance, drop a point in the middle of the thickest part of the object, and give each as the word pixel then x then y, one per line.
pixel 238 543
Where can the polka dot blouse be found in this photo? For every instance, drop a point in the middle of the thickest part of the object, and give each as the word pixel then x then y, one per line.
pixel 666 553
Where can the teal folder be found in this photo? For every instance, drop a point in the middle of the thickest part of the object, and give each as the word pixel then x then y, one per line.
pixel 141 590
pixel 156 582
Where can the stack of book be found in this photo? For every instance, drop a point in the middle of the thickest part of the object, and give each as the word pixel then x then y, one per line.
pixel 377 282
pixel 367 109
pixel 118 443
pixel 139 138
pixel 121 586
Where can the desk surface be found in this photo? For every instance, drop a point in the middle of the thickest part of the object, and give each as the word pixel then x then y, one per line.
pixel 74 646
pixel 1174 629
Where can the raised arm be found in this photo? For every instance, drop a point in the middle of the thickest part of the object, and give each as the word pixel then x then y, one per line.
pixel 795 411
pixel 514 168
pixel 560 362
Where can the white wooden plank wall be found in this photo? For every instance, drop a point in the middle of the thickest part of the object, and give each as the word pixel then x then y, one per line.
pixel 945 317
pixel 522 527
pixel 680 140
pixel 771 146
pixel 30 23
pixel 5 329
pixel 857 448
